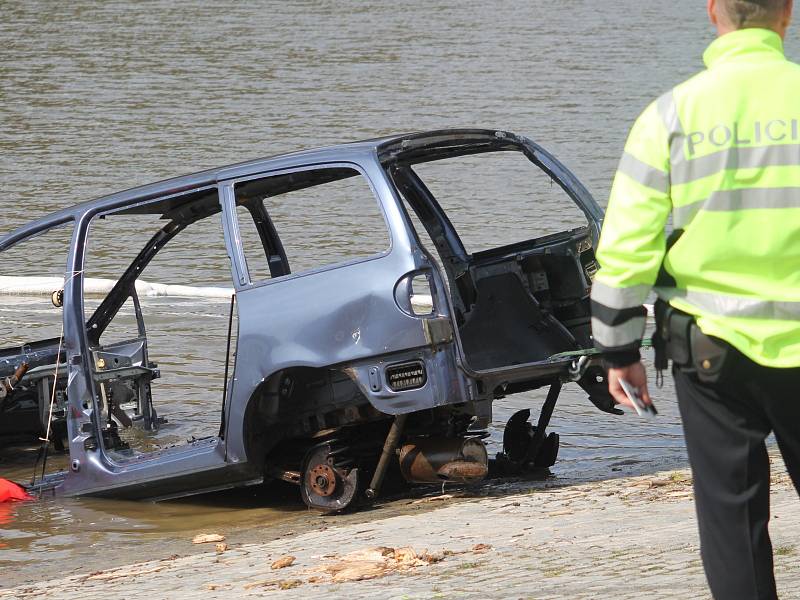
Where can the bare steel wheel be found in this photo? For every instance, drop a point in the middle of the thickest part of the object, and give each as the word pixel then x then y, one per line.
pixel 328 482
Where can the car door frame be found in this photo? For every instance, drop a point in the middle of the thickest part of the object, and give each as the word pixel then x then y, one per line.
pixel 403 256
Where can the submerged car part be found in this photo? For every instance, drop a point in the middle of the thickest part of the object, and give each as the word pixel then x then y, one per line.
pixel 526 446
pixel 422 335
pixel 521 447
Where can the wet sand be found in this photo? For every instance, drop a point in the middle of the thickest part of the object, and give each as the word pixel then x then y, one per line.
pixel 627 537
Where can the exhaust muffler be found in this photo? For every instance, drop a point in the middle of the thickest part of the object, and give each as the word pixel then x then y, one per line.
pixel 434 460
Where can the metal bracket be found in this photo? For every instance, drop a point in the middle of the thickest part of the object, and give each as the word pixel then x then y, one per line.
pixel 578 367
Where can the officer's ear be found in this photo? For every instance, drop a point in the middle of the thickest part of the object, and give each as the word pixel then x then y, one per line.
pixel 711 7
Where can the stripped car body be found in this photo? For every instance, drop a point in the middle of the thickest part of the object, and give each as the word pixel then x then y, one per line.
pixel 348 370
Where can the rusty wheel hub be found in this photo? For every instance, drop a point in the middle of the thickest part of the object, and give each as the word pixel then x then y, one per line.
pixel 322 479
pixel 327 486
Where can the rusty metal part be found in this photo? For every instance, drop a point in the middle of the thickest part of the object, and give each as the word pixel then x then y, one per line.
pixel 389 447
pixel 7 384
pixel 322 480
pixel 427 460
pixel 20 372
pixel 319 461
pixel 286 475
pixel 462 470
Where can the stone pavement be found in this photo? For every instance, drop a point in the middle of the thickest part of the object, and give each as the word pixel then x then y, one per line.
pixel 632 537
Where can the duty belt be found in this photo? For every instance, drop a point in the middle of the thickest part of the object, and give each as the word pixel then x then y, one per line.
pixel 678 338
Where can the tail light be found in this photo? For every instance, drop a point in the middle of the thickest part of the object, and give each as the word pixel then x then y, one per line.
pixel 414 294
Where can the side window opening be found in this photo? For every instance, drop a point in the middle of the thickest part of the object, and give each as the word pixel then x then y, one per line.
pixel 320 217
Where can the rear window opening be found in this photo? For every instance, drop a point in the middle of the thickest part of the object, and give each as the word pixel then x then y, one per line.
pixel 519 280
pixel 495 199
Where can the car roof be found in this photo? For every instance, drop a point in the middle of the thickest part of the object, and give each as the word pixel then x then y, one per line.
pixel 388 148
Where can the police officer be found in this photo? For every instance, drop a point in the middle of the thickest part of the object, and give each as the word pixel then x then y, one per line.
pixel 720 153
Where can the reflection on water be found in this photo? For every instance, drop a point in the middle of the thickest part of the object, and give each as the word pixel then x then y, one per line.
pixel 100 96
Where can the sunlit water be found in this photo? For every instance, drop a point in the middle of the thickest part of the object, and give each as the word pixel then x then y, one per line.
pixel 98 97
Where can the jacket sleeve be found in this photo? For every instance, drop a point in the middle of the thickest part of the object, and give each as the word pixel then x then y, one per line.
pixel 632 242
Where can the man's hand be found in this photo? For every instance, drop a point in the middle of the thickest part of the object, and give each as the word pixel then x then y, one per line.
pixel 636 375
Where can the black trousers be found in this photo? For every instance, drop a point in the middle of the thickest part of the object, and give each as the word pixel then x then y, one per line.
pixel 725 424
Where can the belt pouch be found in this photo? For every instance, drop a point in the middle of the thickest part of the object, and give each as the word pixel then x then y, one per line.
pixel 678 344
pixel 709 355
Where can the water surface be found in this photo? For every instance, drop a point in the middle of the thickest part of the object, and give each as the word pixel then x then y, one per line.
pixel 100 96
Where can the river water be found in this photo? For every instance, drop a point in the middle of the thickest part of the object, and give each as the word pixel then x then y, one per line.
pixel 101 96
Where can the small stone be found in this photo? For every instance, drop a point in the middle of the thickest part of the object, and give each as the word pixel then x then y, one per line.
pixel 405 555
pixel 208 538
pixel 283 562
pixel 360 572
pixel 432 557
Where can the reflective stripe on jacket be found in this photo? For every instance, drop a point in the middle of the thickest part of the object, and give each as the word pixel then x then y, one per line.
pixel 720 154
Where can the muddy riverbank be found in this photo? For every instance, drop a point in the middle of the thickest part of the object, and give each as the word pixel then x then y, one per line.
pixel 627 537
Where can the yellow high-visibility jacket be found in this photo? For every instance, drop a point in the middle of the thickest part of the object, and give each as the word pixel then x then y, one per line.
pixel 720 153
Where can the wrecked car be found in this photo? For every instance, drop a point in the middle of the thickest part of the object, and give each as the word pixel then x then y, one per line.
pixel 336 373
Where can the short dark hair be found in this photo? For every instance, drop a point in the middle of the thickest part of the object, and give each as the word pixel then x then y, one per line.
pixel 752 13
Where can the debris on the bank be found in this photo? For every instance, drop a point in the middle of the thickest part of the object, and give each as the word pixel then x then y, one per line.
pixel 171 557
pixel 281 584
pixel 441 498
pixel 434 557
pixel 118 573
pixel 377 554
pixel 377 562
pixel 283 562
pixel 221 547
pixel 208 538
pixel 358 565
pixel 660 482
pixel 643 483
pixel 680 495
pixel 481 548
pixel 344 572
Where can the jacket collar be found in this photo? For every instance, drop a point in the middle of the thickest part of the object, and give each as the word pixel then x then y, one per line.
pixel 750 43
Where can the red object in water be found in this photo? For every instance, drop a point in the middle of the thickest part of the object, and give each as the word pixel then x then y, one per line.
pixel 10 491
